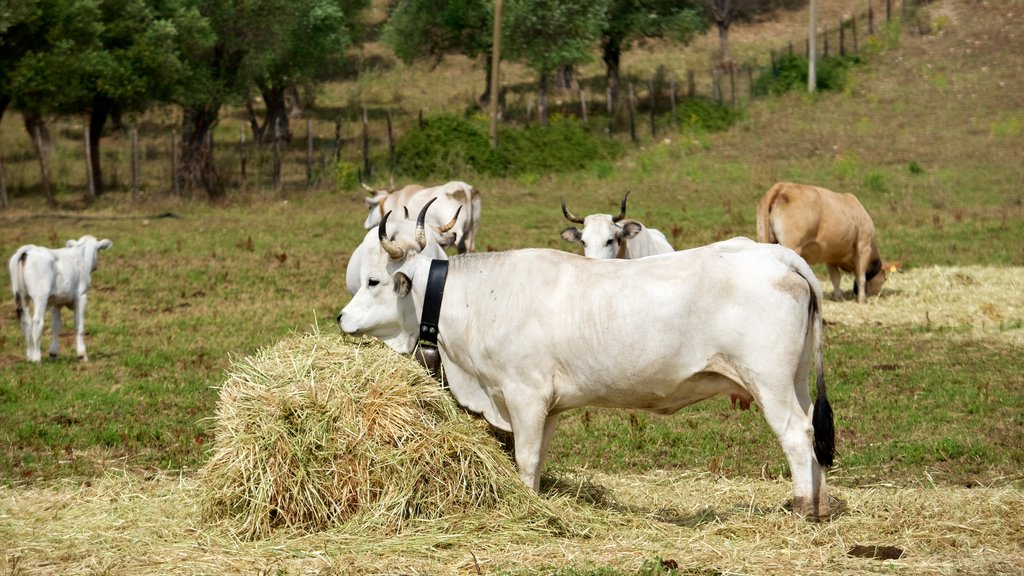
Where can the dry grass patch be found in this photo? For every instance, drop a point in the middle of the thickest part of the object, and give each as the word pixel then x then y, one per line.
pixel 122 524
pixel 973 301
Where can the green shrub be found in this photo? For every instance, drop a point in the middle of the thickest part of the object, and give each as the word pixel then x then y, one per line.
pixel 790 73
pixel 448 146
pixel 703 114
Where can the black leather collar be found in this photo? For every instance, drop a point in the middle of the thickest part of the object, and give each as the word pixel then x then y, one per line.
pixel 432 301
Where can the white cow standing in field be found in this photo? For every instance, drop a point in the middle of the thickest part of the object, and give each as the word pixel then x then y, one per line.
pixel 414 197
pixel 526 335
pixel 52 278
pixel 607 236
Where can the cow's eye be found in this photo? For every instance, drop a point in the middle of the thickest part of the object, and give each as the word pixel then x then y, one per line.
pixel 372 282
pixel 609 242
pixel 583 243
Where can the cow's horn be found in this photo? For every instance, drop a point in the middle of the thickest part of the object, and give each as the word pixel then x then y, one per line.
pixel 363 184
pixel 390 247
pixel 568 215
pixel 421 234
pixel 622 208
pixel 451 224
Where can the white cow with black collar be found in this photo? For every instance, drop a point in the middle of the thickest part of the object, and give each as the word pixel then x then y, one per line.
pixel 48 278
pixel 526 335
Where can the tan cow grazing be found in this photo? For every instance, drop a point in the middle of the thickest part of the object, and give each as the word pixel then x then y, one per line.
pixel 824 227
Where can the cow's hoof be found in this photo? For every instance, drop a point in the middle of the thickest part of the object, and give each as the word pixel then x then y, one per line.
pixel 83 357
pixel 53 355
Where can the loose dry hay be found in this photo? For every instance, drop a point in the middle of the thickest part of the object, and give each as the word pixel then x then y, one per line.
pixel 979 302
pixel 320 430
pixel 123 524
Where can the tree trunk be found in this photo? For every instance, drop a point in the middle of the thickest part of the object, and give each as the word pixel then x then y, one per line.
pixel 275 118
pixel 723 44
pixel 611 53
pixel 197 157
pixel 101 109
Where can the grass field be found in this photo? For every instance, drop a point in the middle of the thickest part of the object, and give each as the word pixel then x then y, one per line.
pixel 926 381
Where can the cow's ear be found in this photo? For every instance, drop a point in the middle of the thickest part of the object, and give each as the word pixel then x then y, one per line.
pixel 446 239
pixel 372 201
pixel 70 243
pixel 630 229
pixel 104 244
pixel 571 234
pixel 402 285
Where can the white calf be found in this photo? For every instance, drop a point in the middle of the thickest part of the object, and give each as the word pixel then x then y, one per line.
pixel 51 279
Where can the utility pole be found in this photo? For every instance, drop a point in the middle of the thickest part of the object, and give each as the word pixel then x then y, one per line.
pixel 495 76
pixel 812 78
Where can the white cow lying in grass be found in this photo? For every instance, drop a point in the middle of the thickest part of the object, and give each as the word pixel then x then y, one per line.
pixel 51 279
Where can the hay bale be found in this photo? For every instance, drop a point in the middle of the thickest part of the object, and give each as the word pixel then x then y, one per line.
pixel 320 430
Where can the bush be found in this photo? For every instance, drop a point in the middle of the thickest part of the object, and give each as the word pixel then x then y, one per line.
pixel 790 73
pixel 707 115
pixel 448 146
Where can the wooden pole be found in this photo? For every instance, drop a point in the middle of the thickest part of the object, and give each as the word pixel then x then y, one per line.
pixel 3 185
pixel 812 76
pixel 242 160
pixel 135 162
pixel 277 155
pixel 583 106
pixel 672 95
pixel 174 163
pixel 632 115
pixel 611 111
pixel 691 84
pixel 871 20
pixel 309 152
pixel 47 189
pixel 337 139
pixel 366 144
pixel 853 28
pixel 732 85
pixel 392 158
pixel 495 75
pixel 651 111
pixel 90 178
pixel 842 37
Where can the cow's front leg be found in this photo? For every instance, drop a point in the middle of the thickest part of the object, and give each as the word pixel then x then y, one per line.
pixel 55 329
pixel 80 327
pixel 835 276
pixel 529 424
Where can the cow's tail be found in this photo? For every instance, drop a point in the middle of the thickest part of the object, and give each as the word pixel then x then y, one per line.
pixel 764 214
pixel 821 419
pixel 17 270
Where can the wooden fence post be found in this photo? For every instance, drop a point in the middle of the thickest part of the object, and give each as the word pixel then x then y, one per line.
pixel 583 106
pixel 652 103
pixel 632 115
pixel 691 84
pixel 174 163
pixel 277 156
pixel 309 152
pixel 610 106
pixel 47 189
pixel 871 20
pixel 242 160
pixel 842 37
pixel 392 158
pixel 3 185
pixel 135 161
pixel 716 85
pixel 672 95
pixel 824 35
pixel 90 178
pixel 750 82
pixel 337 139
pixel 732 84
pixel 366 144
pixel 888 10
pixel 853 28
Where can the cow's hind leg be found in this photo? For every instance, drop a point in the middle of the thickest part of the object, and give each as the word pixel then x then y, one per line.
pixel 835 276
pixel 80 327
pixel 35 333
pixel 55 331
pixel 790 420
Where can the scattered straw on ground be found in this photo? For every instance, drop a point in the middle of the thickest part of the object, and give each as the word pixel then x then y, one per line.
pixel 973 301
pixel 122 524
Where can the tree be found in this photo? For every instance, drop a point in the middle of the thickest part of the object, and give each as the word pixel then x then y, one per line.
pixel 548 34
pixel 431 29
pixel 723 13
pixel 252 44
pixel 303 37
pixel 629 19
